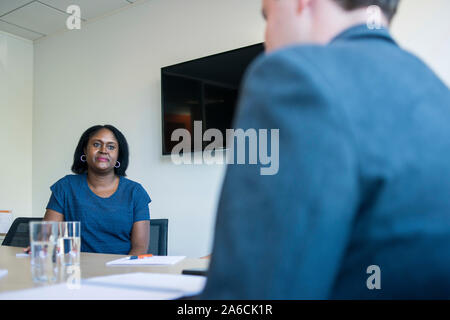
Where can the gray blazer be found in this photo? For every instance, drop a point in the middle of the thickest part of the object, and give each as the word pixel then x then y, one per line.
pixel 363 180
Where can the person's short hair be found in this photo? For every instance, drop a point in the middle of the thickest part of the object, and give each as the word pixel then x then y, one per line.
pixel 389 7
pixel 80 167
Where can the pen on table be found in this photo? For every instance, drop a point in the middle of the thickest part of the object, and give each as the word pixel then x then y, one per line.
pixel 142 256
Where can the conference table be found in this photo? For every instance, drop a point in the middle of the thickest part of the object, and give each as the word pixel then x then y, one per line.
pixel 91 265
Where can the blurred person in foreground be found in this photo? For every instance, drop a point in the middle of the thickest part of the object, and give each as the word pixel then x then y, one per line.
pixel 360 206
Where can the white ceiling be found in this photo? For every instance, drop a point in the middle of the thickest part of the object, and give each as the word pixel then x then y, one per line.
pixel 33 19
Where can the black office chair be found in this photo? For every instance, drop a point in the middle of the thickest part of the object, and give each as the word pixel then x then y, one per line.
pixel 19 233
pixel 158 237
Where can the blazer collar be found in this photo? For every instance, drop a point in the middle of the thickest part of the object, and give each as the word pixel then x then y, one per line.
pixel 361 31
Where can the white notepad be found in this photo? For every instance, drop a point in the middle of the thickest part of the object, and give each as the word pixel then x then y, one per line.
pixel 155 260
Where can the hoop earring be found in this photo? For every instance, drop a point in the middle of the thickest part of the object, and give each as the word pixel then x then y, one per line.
pixel 117 166
pixel 83 159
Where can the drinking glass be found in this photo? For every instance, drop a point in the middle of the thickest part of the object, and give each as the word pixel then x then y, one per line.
pixel 43 245
pixel 69 243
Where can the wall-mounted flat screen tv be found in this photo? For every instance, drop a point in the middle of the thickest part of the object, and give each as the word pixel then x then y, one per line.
pixel 206 90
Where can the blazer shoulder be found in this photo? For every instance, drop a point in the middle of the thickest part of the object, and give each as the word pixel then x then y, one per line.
pixel 296 66
pixel 294 56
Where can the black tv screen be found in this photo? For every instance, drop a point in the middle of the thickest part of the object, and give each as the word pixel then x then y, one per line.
pixel 206 90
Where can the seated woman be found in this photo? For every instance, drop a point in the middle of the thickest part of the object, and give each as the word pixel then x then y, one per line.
pixel 113 210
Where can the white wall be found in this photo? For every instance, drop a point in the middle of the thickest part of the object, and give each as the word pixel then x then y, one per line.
pixel 423 27
pixel 16 101
pixel 109 72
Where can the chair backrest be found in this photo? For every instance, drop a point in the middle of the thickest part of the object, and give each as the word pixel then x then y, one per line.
pixel 158 237
pixel 19 233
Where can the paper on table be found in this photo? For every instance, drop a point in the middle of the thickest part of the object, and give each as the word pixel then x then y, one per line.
pixel 129 286
pixel 6 220
pixel 171 283
pixel 155 260
pixel 22 255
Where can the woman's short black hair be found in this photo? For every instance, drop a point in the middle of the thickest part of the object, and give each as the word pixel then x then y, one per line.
pixel 79 167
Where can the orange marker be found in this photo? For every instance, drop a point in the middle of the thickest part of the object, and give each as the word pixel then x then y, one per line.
pixel 142 256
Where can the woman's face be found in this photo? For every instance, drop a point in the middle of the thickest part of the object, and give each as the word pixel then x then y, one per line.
pixel 102 151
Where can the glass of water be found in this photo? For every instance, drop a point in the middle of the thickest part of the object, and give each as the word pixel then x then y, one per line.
pixel 69 243
pixel 43 243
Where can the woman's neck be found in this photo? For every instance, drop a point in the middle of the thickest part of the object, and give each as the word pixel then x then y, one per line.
pixel 101 181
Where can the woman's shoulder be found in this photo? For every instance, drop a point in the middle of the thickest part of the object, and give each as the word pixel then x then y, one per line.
pixel 133 186
pixel 68 180
pixel 130 183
